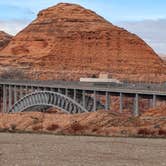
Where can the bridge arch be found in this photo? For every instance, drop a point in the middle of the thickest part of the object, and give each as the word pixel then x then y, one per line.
pixel 48 98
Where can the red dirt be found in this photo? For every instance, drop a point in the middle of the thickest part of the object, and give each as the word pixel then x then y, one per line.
pixel 95 123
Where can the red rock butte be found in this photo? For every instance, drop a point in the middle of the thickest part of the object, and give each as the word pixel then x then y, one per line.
pixel 67 42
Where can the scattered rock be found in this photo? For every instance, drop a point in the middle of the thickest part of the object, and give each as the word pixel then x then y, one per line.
pixel 95 123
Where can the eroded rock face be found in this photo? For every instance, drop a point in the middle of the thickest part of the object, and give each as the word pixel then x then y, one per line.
pixel 67 42
pixel 4 39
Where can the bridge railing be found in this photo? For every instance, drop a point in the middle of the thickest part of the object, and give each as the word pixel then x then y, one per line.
pixel 123 85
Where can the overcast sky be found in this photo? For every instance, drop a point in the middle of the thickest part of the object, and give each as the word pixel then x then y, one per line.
pixel 147 18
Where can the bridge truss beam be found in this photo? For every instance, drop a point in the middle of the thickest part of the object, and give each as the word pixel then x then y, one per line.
pixel 87 100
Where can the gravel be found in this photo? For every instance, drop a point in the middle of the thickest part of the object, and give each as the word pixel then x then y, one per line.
pixel 53 150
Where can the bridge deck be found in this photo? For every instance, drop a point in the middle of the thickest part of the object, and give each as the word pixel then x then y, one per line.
pixel 128 88
pixel 78 90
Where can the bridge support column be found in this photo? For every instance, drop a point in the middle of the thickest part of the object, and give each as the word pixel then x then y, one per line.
pixel 107 103
pixel 10 97
pixel 38 88
pixel 66 92
pixel 27 89
pixel 21 93
pixel 32 89
pixel 136 105
pixel 45 89
pixel 15 94
pixel 94 101
pixel 4 98
pixel 83 98
pixel 52 89
pixel 154 101
pixel 75 92
pixel 121 102
pixel 59 90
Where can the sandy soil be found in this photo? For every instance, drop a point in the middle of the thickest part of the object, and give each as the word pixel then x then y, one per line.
pixel 100 123
pixel 51 150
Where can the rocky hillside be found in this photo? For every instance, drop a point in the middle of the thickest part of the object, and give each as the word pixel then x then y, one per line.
pixel 67 41
pixel 105 123
pixel 4 39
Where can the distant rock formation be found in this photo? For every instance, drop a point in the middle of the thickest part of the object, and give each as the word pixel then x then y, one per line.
pixel 4 39
pixel 67 42
pixel 163 56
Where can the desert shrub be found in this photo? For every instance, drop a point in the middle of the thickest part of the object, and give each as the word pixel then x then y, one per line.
pixel 162 132
pixel 132 119
pixel 12 73
pixel 94 129
pixel 37 127
pixel 76 126
pixel 94 76
pixel 145 132
pixel 13 127
pixel 52 127
pixel 35 120
pixel 123 132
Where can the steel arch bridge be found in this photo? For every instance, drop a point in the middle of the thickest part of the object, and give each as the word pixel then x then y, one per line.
pixel 48 98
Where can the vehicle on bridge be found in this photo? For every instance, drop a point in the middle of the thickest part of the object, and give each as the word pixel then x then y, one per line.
pixel 102 79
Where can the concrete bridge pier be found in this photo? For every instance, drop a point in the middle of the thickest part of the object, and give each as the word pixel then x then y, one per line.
pixel 15 93
pixel 107 103
pixel 4 99
pixel 10 96
pixel 136 105
pixel 74 95
pixel 21 92
pixel 59 90
pixel 83 98
pixel 94 101
pixel 66 92
pixel 31 89
pixel 154 101
pixel 121 103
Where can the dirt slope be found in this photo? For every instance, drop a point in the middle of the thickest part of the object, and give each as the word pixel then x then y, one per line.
pixel 152 123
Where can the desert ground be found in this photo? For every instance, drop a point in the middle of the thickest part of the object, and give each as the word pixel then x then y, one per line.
pixel 42 150
pixel 101 123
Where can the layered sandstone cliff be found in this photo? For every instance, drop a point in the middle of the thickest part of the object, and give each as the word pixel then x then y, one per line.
pixel 4 39
pixel 67 41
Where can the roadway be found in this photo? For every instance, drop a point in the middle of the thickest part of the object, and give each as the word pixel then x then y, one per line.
pixel 126 88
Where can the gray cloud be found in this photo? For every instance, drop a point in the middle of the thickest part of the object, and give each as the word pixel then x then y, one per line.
pixel 13 26
pixel 152 31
